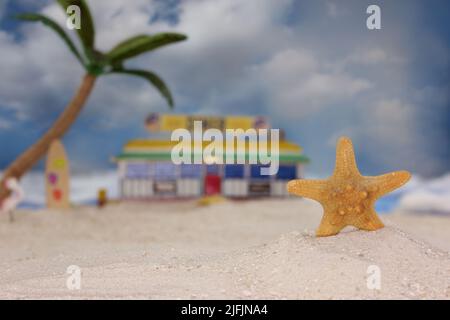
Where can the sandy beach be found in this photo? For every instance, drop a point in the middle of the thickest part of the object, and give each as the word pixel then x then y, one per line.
pixel 239 250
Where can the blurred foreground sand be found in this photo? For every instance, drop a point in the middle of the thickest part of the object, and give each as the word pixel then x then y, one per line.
pixel 248 250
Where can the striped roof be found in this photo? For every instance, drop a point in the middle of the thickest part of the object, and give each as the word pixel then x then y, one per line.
pixel 160 150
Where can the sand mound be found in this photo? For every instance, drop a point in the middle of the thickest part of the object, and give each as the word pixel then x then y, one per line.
pixel 302 266
pixel 227 251
pixel 294 267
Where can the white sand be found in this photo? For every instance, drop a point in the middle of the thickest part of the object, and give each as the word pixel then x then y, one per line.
pixel 249 250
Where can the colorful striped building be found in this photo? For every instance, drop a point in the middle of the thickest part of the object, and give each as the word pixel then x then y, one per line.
pixel 146 171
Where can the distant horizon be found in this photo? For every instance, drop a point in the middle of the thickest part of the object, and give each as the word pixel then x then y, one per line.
pixel 418 195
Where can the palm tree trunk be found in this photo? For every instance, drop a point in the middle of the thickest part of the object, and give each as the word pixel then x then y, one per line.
pixel 32 155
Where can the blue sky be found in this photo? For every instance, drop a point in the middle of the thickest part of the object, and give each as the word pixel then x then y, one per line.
pixel 311 66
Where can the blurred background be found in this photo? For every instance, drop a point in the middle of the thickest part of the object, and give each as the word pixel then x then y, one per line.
pixel 312 67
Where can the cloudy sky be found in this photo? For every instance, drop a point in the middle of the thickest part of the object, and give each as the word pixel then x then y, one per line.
pixel 313 67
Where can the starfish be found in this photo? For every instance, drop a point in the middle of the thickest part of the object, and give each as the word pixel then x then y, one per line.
pixel 347 197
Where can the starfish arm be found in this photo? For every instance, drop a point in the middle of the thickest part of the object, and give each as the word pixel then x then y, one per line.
pixel 331 224
pixel 368 221
pixel 345 159
pixel 381 185
pixel 313 189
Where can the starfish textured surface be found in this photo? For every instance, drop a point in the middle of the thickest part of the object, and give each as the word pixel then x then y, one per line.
pixel 347 197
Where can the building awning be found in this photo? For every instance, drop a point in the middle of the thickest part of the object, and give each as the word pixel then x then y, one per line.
pixel 160 150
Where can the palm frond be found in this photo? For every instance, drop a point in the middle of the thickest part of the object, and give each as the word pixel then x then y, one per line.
pixel 142 43
pixel 153 78
pixel 34 17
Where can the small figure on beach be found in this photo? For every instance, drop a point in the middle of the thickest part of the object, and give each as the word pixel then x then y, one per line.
pixel 15 197
pixel 347 197
pixel 102 198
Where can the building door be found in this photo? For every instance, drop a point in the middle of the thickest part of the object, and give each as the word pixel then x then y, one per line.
pixel 212 179
pixel 212 184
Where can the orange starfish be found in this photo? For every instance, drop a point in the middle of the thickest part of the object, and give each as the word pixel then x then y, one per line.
pixel 347 197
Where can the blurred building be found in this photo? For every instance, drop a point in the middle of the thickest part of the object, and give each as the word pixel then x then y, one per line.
pixel 146 170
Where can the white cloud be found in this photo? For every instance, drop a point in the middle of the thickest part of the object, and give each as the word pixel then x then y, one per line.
pixel 289 65
pixel 374 56
pixel 392 120
pixel 428 196
pixel 334 9
pixel 369 56
pixel 299 84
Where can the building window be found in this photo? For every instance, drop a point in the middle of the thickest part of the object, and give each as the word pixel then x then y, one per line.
pixel 165 171
pixel 213 170
pixel 255 171
pixel 137 170
pixel 165 188
pixel 191 170
pixel 287 172
pixel 234 171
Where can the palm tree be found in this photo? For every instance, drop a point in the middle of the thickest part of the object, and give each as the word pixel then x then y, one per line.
pixel 96 64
